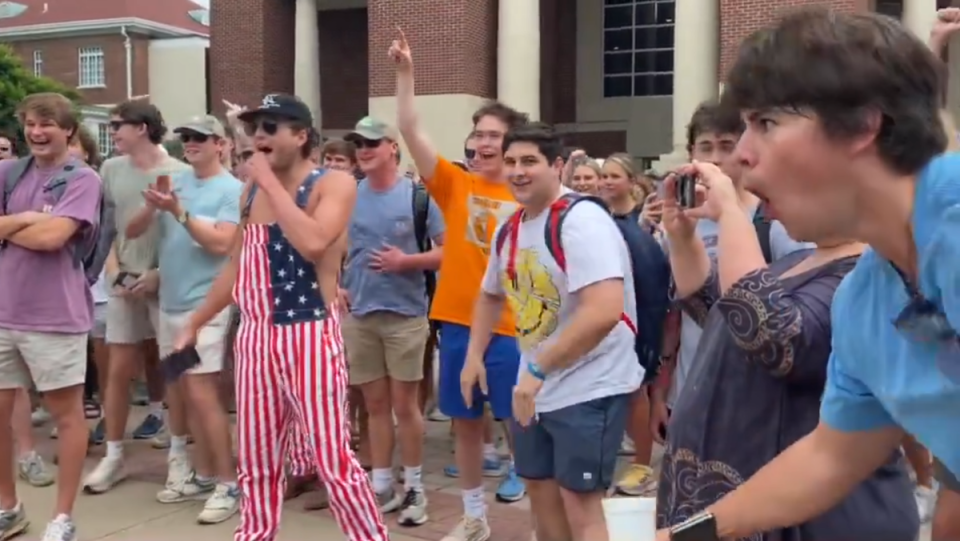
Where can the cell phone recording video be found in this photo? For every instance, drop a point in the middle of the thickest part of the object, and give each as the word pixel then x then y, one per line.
pixel 687 191
pixel 126 279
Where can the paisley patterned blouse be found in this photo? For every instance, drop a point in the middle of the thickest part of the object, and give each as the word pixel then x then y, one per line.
pixel 754 389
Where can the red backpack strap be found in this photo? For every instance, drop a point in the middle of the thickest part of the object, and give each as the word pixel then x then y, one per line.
pixel 510 228
pixel 554 228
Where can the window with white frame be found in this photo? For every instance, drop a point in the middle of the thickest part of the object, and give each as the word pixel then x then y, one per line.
pixel 104 141
pixel 38 63
pixel 638 48
pixel 91 72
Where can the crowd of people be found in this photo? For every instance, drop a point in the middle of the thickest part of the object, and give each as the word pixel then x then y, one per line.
pixel 786 332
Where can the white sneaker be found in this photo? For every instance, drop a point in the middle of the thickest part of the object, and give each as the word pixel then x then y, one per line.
pixel 182 485
pixel 60 529
pixel 105 476
pixel 926 501
pixel 470 529
pixel 223 504
pixel 40 416
pixel 413 510
pixel 162 439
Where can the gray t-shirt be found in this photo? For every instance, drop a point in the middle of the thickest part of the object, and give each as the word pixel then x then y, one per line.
pixel 380 219
pixel 543 298
pixel 123 186
pixel 780 245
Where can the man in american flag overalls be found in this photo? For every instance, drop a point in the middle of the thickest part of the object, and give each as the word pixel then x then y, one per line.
pixel 290 365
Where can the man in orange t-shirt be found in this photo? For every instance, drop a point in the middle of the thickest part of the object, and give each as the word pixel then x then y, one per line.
pixel 473 203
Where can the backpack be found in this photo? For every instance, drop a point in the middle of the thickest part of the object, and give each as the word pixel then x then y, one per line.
pixel 557 213
pixel 84 251
pixel 761 224
pixel 421 210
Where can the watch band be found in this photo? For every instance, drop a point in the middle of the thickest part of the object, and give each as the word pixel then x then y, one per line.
pixel 183 217
pixel 536 371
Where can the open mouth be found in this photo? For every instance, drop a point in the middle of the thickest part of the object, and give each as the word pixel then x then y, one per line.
pixel 266 149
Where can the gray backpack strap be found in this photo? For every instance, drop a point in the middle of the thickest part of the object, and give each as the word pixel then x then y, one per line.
pixel 13 178
pixel 57 186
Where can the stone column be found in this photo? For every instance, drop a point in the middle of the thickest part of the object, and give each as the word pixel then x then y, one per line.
pixel 306 81
pixel 518 55
pixel 695 58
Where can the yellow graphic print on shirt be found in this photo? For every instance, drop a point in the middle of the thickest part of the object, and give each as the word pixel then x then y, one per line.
pixel 533 297
pixel 483 215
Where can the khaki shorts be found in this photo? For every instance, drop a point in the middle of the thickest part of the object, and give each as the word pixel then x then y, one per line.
pixel 53 361
pixel 210 341
pixel 385 344
pixel 131 320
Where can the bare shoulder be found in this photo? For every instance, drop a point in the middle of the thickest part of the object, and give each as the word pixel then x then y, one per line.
pixel 334 184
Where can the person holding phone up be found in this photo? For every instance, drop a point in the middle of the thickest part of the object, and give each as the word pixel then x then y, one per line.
pixel 760 369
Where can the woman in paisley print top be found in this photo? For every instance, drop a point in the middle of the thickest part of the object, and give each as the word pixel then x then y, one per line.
pixel 759 372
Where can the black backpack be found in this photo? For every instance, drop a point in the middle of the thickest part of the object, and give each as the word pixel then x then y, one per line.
pixel 421 209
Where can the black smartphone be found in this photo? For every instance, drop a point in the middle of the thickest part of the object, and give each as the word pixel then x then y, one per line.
pixel 701 527
pixel 178 362
pixel 126 279
pixel 687 191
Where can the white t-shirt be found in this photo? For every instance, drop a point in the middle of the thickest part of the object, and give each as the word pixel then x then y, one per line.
pixel 543 299
pixel 99 289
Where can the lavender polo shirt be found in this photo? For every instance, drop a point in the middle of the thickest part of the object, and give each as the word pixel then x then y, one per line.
pixel 46 291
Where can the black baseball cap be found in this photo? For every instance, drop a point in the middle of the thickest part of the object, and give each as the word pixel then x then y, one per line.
pixel 285 106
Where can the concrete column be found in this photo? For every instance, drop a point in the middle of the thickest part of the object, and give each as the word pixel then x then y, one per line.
pixel 306 81
pixel 695 59
pixel 919 16
pixel 518 55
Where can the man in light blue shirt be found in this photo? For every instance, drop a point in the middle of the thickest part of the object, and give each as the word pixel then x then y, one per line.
pixel 198 214
pixel 842 141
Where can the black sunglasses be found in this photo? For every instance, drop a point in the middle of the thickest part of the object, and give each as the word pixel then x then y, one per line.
pixel 117 124
pixel 361 142
pixel 921 320
pixel 5 149
pixel 193 137
pixel 469 153
pixel 268 125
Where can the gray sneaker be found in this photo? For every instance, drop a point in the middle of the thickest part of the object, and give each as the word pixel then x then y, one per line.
pixel 389 500
pixel 413 510
pixel 33 470
pixel 13 522
pixel 60 529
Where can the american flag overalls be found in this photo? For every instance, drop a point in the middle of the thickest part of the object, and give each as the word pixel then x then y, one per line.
pixel 291 369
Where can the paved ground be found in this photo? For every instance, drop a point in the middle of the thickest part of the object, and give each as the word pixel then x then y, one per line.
pixel 130 512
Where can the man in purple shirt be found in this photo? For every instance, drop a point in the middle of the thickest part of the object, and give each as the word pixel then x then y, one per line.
pixel 45 303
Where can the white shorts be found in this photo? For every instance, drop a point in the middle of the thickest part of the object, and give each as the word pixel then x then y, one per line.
pixel 210 341
pixel 53 361
pixel 131 320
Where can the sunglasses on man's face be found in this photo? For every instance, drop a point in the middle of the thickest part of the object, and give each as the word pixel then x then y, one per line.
pixel 193 137
pixel 115 125
pixel 268 125
pixel 5 149
pixel 360 142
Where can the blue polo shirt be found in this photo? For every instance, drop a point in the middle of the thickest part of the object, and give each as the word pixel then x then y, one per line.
pixel 877 376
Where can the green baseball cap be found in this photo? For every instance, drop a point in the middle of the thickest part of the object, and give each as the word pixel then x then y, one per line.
pixel 206 124
pixel 374 130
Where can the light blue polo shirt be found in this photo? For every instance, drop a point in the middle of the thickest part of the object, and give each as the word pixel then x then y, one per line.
pixel 186 269
pixel 877 377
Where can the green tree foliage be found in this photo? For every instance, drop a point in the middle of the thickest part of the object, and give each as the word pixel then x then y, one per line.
pixel 17 82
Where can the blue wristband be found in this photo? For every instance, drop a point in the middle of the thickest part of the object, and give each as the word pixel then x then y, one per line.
pixel 535 371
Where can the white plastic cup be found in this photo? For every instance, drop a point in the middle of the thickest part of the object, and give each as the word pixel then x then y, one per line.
pixel 631 519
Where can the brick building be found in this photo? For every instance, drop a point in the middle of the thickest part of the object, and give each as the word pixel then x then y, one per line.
pixel 111 50
pixel 613 74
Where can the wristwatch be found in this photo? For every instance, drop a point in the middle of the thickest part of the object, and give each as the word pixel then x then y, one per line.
pixel 700 527
pixel 183 217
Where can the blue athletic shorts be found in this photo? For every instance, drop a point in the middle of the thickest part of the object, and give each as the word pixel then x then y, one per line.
pixel 502 362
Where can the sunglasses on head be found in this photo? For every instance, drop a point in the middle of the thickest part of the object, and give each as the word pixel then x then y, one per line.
pixel 469 153
pixel 360 142
pixel 193 137
pixel 921 320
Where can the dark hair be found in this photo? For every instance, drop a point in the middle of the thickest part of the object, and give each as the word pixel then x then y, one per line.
pixel 713 117
pixel 339 147
pixel 90 147
pixel 847 69
pixel 145 113
pixel 504 113
pixel 542 135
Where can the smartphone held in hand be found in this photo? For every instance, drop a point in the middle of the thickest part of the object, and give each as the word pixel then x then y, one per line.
pixel 178 362
pixel 687 191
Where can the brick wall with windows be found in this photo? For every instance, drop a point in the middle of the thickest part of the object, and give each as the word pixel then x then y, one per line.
pixel 61 61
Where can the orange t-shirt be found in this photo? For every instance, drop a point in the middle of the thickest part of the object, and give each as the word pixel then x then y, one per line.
pixel 472 207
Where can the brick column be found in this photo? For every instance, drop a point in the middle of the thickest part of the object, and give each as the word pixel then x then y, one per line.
pixel 251 49
pixel 454 47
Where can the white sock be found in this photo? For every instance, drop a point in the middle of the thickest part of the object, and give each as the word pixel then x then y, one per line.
pixel 490 452
pixel 156 409
pixel 412 478
pixel 473 503
pixel 114 450
pixel 178 446
pixel 382 479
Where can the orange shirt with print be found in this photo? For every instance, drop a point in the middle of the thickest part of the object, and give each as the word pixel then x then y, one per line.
pixel 472 207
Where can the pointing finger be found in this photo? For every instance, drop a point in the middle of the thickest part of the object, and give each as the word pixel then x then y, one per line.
pixel 403 37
